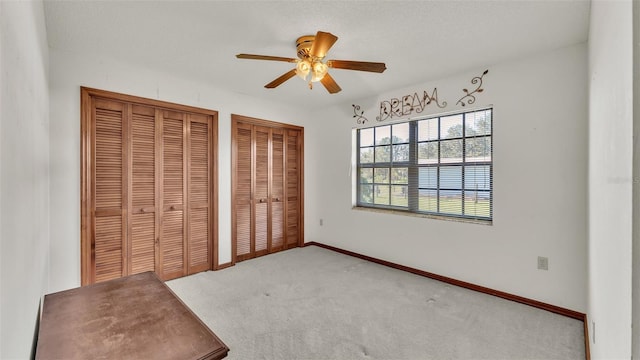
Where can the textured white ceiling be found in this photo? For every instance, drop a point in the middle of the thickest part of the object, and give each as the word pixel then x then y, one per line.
pixel 418 40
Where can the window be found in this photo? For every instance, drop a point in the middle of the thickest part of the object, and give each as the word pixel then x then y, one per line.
pixel 440 165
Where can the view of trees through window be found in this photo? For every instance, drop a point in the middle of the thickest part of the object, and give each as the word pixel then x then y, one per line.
pixel 440 165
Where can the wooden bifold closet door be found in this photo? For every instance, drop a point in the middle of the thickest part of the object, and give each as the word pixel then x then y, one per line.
pixel 148 187
pixel 267 187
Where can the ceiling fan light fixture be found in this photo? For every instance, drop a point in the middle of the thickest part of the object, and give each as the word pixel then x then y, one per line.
pixel 316 68
pixel 302 69
pixel 319 71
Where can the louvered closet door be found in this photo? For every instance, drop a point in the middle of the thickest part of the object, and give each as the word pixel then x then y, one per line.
pixel 261 190
pixel 242 229
pixel 277 190
pixel 109 194
pixel 144 216
pixel 147 189
pixel 172 238
pixel 267 188
pixel 199 193
pixel 293 188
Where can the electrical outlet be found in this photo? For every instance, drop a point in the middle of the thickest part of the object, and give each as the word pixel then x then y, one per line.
pixel 321 222
pixel 543 263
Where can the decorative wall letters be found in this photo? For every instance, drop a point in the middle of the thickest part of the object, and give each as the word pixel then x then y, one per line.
pixel 416 103
pixel 408 104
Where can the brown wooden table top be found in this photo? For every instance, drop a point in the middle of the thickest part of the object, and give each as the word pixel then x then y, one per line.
pixel 134 317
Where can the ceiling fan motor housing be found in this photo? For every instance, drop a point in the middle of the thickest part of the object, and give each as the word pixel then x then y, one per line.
pixel 303 45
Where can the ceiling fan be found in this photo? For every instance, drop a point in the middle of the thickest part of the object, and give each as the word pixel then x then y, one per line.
pixel 311 65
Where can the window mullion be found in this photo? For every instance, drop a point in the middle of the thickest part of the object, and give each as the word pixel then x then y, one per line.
pixel 464 161
pixel 358 187
pixel 412 188
pixel 438 169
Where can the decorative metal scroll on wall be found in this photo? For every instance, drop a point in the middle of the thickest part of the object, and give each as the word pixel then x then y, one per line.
pixel 358 114
pixel 469 98
pixel 416 103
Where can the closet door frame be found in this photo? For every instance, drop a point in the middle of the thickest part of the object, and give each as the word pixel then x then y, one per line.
pixel 87 169
pixel 240 119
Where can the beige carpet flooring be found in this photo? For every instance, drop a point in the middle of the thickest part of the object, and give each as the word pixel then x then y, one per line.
pixel 313 303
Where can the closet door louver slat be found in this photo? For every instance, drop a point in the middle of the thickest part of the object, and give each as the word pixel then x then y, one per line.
pixel 143 182
pixel 108 192
pixel 277 190
pixel 198 245
pixel 199 195
pixel 108 248
pixel 172 244
pixel 293 190
pixel 261 193
pixel 143 243
pixel 243 169
pixel 172 236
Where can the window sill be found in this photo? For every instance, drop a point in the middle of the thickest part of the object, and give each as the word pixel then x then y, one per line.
pixel 427 216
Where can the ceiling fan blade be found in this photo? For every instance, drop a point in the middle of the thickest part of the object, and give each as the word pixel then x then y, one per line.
pixel 321 44
pixel 357 65
pixel 284 77
pixel 330 84
pixel 265 57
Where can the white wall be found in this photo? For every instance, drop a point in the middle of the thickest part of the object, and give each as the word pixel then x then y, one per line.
pixel 610 178
pixel 540 185
pixel 68 73
pixel 24 173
